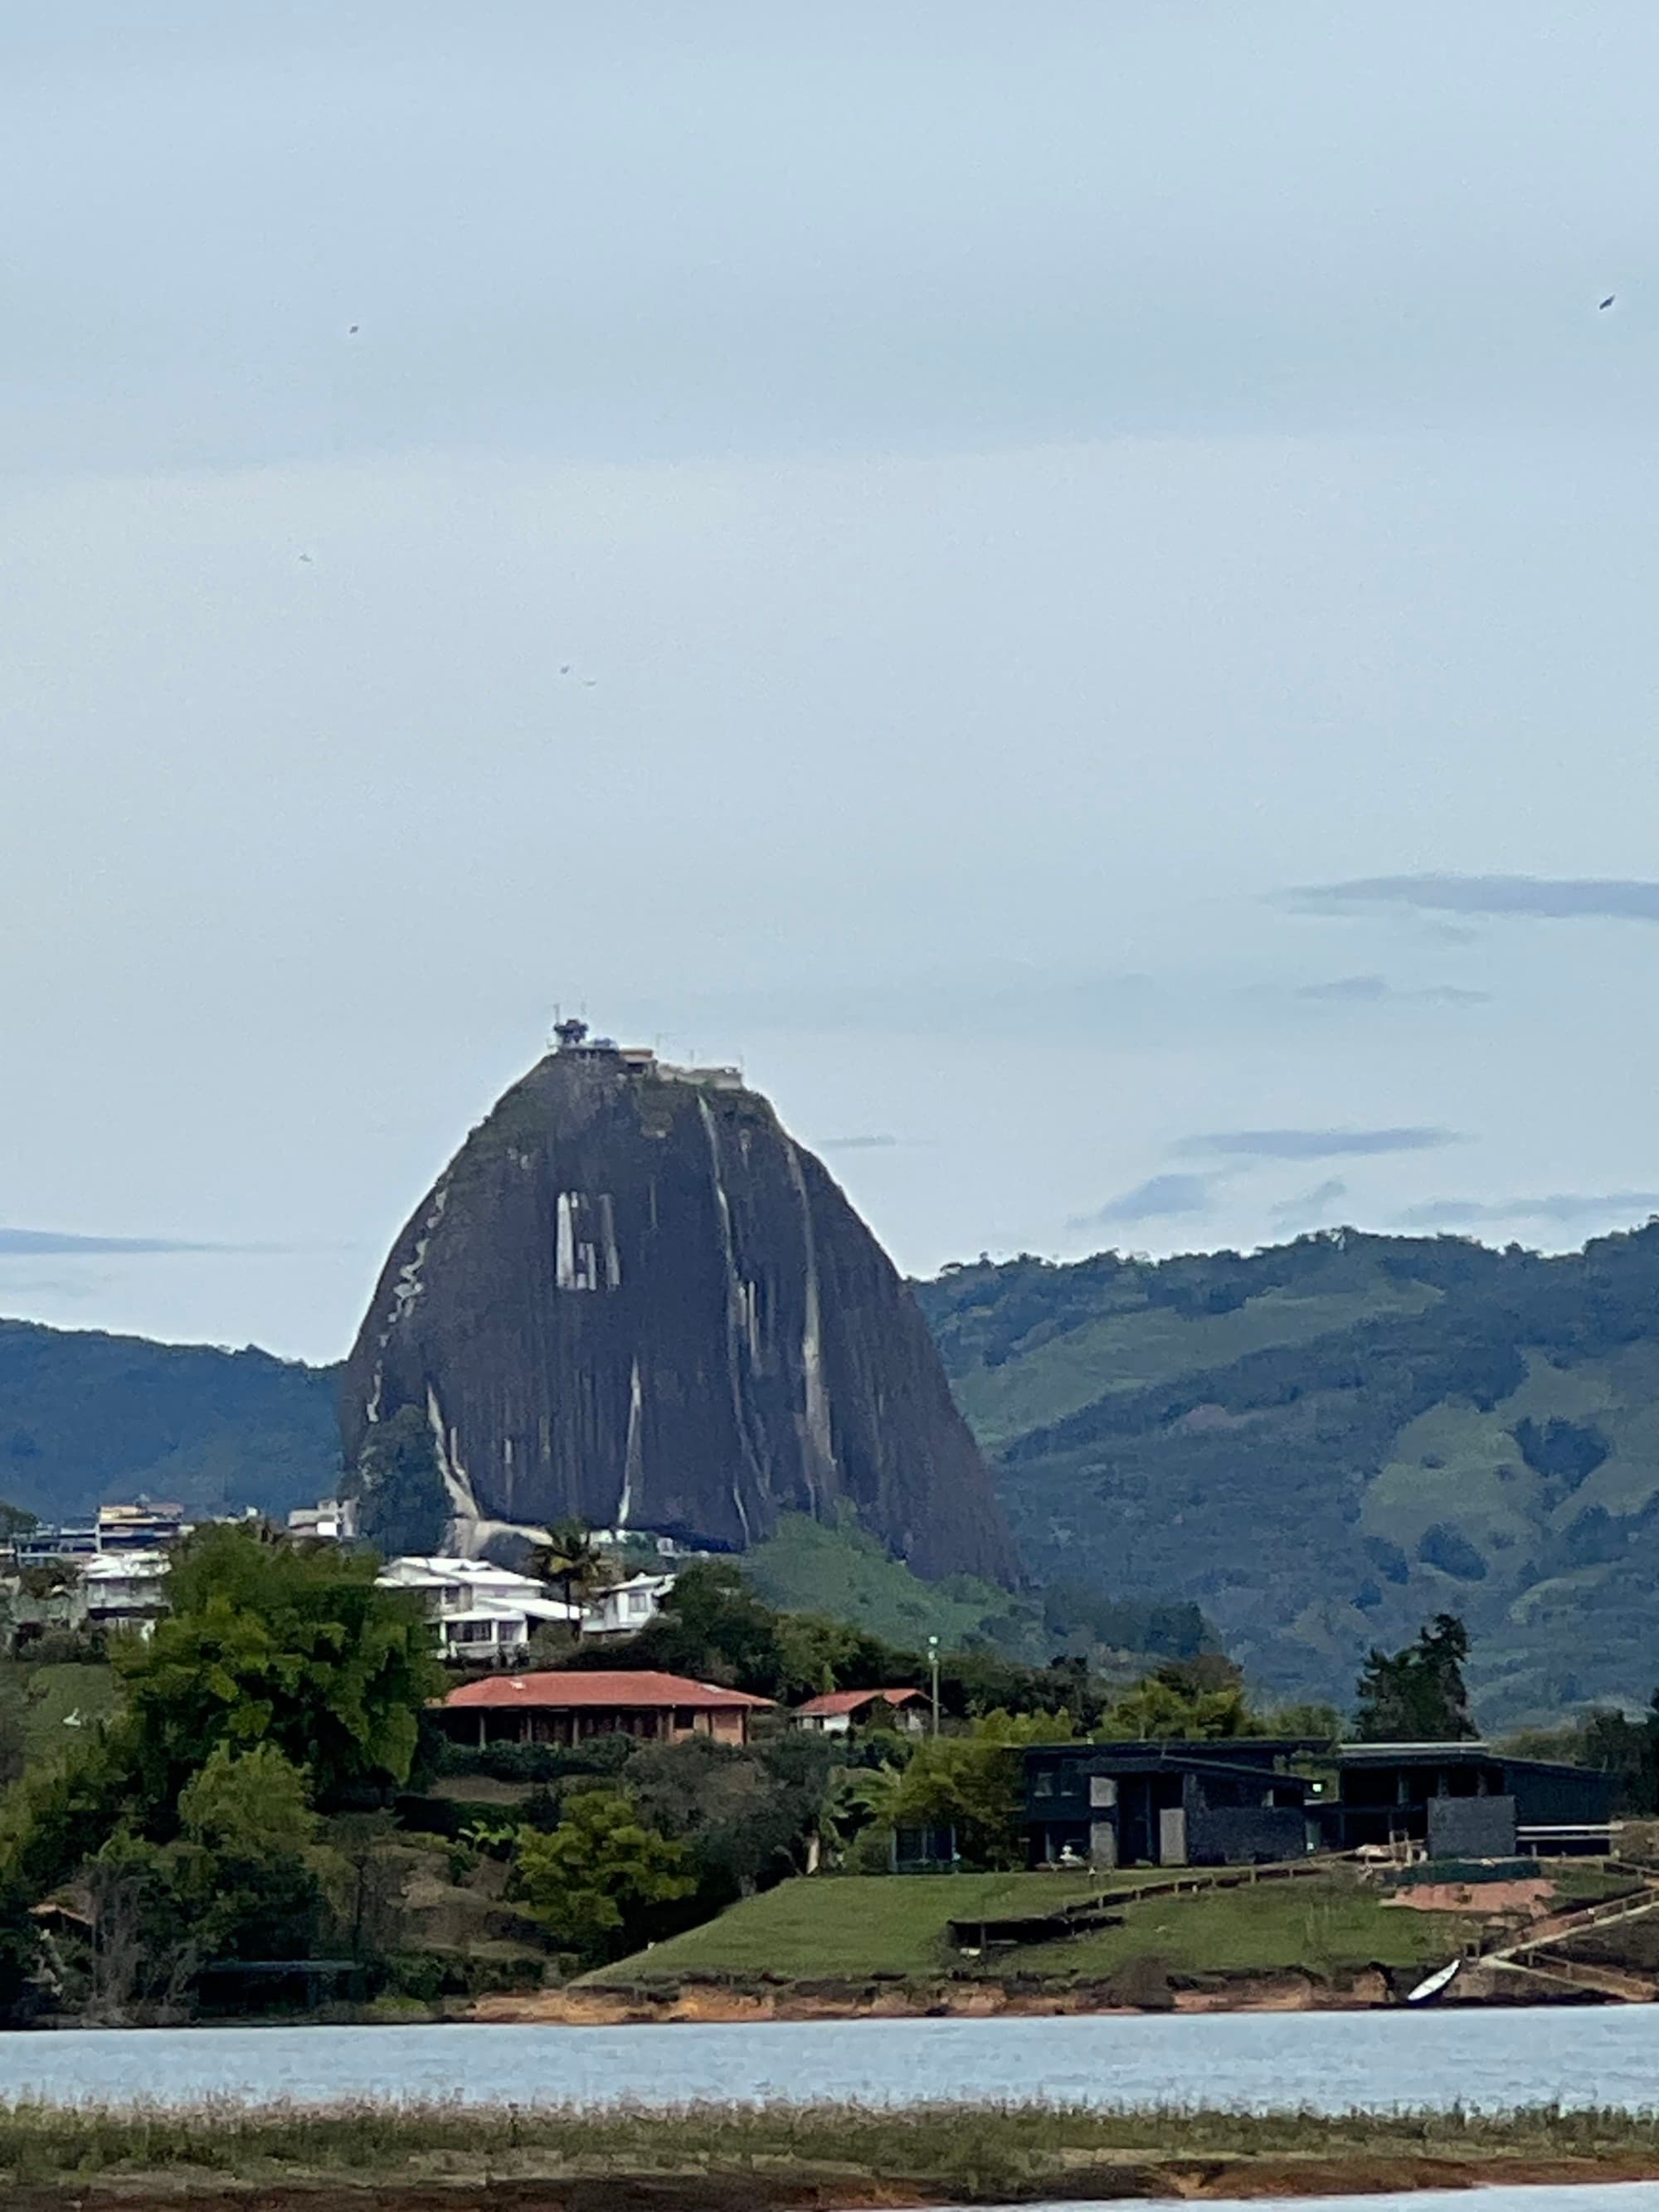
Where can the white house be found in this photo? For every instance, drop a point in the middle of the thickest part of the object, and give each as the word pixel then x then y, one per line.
pixel 124 1589
pixel 625 1607
pixel 330 1520
pixel 479 1611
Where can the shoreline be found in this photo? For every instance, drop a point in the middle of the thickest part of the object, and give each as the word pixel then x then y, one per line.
pixel 722 2004
pixel 1175 2180
pixel 732 2002
pixel 782 2157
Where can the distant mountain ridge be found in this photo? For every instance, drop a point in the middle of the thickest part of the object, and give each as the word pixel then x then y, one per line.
pixel 86 1417
pixel 1323 1442
pixel 1319 1444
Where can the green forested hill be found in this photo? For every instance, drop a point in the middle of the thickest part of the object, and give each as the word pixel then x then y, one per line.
pixel 1324 1442
pixel 85 1417
pixel 1319 1445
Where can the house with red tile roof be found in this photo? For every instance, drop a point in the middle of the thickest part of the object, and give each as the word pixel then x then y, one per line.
pixel 838 1710
pixel 570 1706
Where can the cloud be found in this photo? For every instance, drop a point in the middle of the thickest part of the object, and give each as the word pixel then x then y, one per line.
pixel 1160 1197
pixel 1312 1204
pixel 1550 898
pixel 1564 1209
pixel 32 1243
pixel 1348 990
pixel 878 1143
pixel 1314 1144
pixel 1374 990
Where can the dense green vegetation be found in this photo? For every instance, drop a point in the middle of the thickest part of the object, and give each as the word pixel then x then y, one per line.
pixel 262 1777
pixel 86 1417
pixel 807 1567
pixel 283 1687
pixel 1315 1448
pixel 1417 1695
pixel 1324 1444
pixel 402 1503
pixel 715 1627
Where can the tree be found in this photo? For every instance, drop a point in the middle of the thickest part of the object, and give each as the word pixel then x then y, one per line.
pixel 747 1814
pixel 14 1732
pixel 402 1503
pixel 1197 1699
pixel 246 1833
pixel 145 1951
pixel 364 1881
pixel 294 1646
pixel 590 1881
pixel 1417 1695
pixel 571 1559
pixel 1309 1717
pixel 712 1627
pixel 237 1882
pixel 61 1813
pixel 975 1783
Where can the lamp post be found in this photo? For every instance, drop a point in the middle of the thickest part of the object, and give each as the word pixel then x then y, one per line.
pixel 932 1668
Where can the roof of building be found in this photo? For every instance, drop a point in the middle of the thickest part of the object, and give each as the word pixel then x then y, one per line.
pixel 851 1701
pixel 1467 1751
pixel 416 1568
pixel 1237 1750
pixel 125 1566
pixel 601 1688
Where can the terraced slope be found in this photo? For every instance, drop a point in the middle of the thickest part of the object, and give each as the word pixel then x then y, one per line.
pixel 1324 1442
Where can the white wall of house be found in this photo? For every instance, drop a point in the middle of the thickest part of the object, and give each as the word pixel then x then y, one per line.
pixel 625 1607
pixel 477 1609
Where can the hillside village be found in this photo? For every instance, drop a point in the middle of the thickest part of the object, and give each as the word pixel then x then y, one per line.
pixel 600 1788
pixel 794 1725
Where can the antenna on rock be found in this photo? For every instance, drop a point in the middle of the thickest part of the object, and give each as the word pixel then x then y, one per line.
pixel 570 1034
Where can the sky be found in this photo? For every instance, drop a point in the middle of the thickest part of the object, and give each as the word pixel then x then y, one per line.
pixel 1071 587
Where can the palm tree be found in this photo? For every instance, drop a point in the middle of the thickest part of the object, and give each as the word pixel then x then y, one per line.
pixel 571 1559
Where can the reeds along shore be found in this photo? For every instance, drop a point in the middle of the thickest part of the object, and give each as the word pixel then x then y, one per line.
pixel 785 2155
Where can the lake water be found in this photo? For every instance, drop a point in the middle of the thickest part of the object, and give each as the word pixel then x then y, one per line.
pixel 1580 2196
pixel 1328 2061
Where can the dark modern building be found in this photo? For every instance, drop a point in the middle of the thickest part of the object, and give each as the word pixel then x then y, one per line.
pixel 1228 1803
pixel 1236 1802
pixel 1464 1800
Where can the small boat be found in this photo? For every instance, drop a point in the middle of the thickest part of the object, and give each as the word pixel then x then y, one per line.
pixel 1432 1985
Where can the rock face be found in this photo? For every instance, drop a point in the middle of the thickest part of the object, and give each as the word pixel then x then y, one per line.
pixel 631 1297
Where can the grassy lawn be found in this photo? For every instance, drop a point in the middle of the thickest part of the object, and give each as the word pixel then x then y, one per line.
pixel 1326 1923
pixel 50 1695
pixel 850 1924
pixel 1588 1885
pixel 896 1924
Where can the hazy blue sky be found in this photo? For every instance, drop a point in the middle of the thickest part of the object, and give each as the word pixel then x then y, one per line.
pixel 1105 555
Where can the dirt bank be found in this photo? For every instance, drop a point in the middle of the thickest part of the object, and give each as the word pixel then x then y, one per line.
pixel 593 2006
pixel 1191 2179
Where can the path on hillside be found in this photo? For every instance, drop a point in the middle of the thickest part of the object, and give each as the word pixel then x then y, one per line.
pixel 1532 1951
